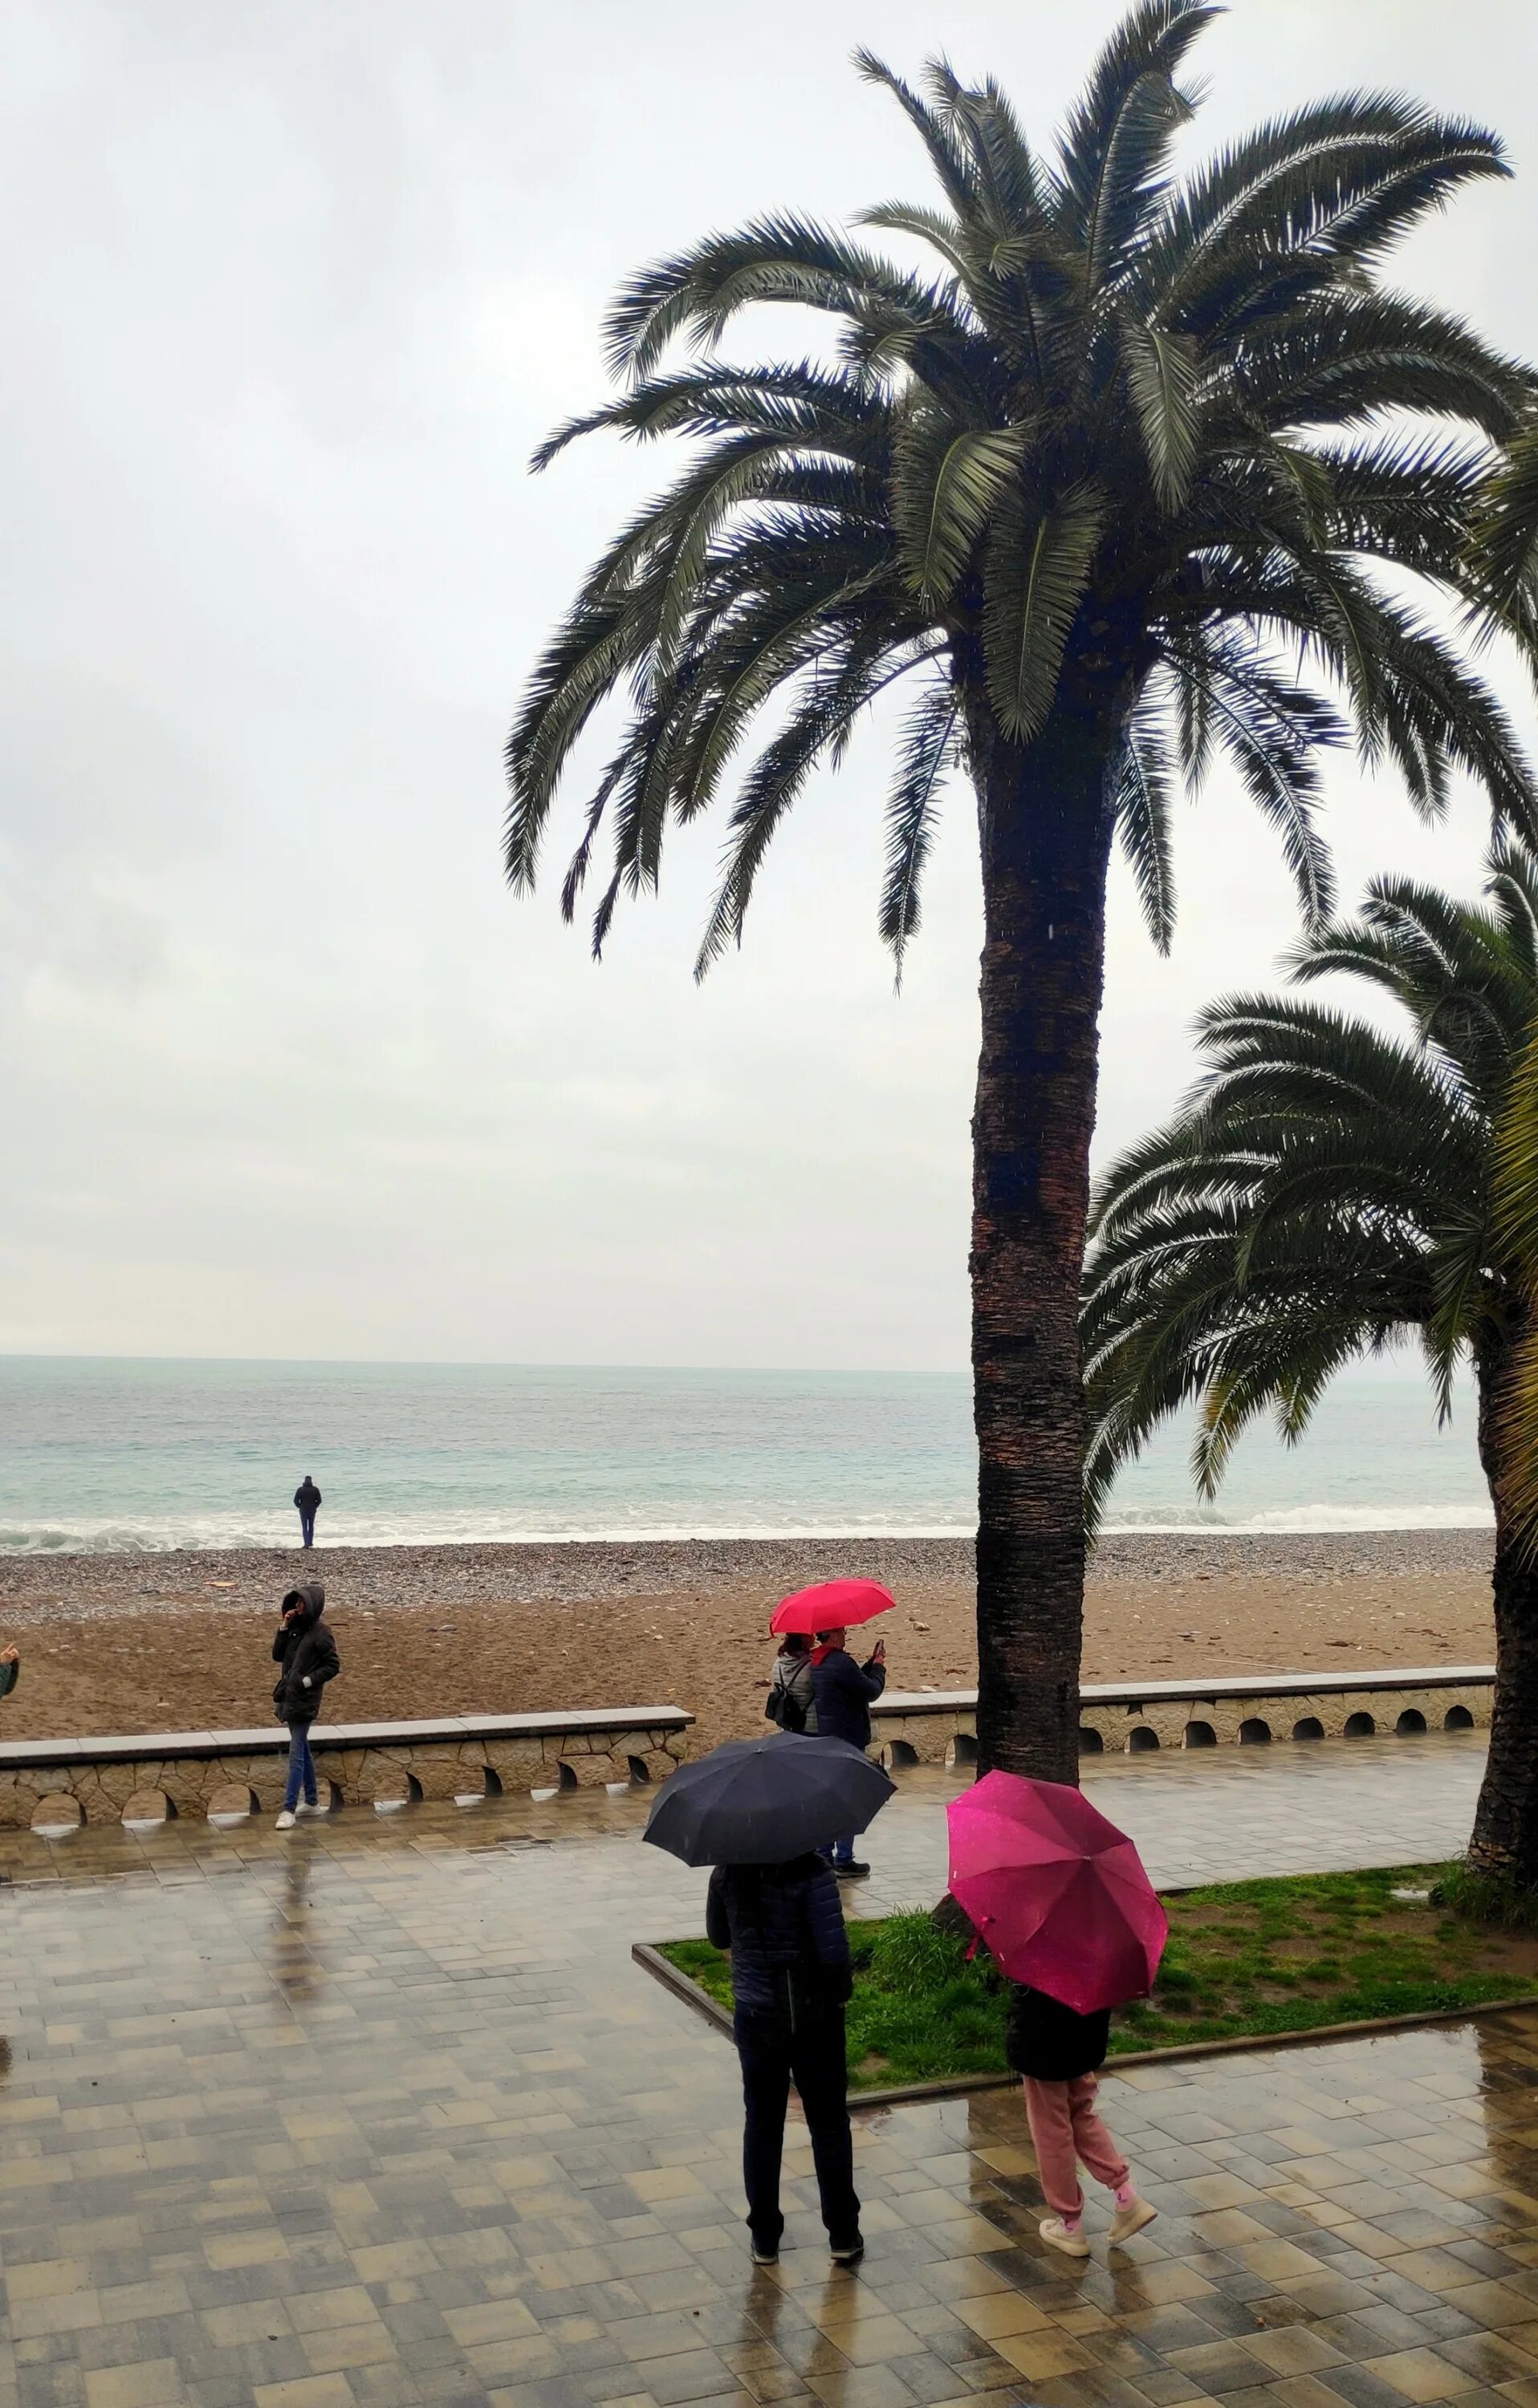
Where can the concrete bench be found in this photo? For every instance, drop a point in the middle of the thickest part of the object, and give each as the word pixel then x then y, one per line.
pixel 379 1764
pixel 1135 1717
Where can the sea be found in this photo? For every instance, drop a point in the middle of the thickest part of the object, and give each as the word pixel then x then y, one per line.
pixel 115 1455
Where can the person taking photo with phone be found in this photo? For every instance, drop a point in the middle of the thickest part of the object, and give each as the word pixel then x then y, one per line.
pixel 842 1694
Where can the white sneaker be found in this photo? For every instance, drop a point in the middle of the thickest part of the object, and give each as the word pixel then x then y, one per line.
pixel 1068 2238
pixel 1130 2219
pixel 309 1809
pixel 286 1821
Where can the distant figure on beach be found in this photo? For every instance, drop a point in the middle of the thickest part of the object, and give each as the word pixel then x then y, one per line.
pixel 307 1654
pixel 843 1693
pixel 11 1669
pixel 307 1498
pixel 784 1928
pixel 1058 2053
pixel 789 1702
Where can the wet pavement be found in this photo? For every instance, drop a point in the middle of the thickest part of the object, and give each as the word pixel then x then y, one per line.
pixel 380 2111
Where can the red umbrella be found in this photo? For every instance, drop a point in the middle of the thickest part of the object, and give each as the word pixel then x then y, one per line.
pixel 1056 1892
pixel 832 1605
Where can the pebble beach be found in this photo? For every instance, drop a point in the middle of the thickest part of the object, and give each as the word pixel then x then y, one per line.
pixel 180 1640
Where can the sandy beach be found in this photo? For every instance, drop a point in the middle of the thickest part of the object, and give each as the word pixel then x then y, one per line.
pixel 180 1640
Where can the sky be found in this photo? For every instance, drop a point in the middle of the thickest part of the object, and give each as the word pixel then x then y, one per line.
pixel 292 291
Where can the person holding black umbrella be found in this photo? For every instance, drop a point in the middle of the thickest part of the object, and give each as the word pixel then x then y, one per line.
pixel 783 1927
pixel 758 1811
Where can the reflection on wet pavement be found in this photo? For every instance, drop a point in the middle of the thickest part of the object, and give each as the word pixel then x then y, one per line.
pixel 380 2111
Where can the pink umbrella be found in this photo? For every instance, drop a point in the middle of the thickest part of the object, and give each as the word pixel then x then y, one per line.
pixel 832 1605
pixel 1058 1893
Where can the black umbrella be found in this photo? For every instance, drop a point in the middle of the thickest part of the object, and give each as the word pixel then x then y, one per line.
pixel 761 1801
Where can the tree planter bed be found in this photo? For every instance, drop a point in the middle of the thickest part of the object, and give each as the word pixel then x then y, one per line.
pixel 1250 1965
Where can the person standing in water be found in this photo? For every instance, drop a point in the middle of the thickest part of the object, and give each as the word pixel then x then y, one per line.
pixel 306 1496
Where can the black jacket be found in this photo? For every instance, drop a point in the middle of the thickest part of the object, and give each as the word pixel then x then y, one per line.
pixel 1048 2042
pixel 842 1690
pixel 307 1652
pixel 783 1924
pixel 9 1676
pixel 306 1496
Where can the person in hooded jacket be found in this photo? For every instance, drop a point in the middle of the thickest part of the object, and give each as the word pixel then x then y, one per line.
pixel 1058 2053
pixel 783 1925
pixel 307 1654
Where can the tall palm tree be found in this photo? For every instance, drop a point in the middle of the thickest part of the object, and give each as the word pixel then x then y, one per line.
pixel 1327 1188
pixel 1094 486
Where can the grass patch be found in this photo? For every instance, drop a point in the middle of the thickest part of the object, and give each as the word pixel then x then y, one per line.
pixel 1243 1959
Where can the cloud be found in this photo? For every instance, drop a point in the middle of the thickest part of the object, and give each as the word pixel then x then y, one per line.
pixel 291 295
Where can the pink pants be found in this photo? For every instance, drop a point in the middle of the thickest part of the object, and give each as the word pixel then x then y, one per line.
pixel 1064 2127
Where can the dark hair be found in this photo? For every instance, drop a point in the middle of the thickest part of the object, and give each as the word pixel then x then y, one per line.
pixel 794 1644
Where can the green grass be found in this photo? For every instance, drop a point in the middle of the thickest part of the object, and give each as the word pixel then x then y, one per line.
pixel 1244 1958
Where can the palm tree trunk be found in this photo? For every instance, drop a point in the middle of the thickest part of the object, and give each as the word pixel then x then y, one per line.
pixel 1505 1824
pixel 1045 842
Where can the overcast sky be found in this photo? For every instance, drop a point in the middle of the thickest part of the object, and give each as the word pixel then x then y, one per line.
pixel 289 293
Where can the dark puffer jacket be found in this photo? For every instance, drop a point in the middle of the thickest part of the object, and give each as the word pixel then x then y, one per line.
pixel 783 1924
pixel 307 1654
pixel 843 1691
pixel 1047 2041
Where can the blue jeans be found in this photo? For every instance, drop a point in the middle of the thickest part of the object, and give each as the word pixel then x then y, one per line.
pixel 301 1768
pixel 307 1529
pixel 841 1852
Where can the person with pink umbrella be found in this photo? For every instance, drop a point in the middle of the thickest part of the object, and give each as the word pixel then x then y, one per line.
pixel 1061 1901
pixel 843 1691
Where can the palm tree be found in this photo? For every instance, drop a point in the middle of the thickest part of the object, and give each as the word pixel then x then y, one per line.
pixel 1093 485
pixel 1327 1189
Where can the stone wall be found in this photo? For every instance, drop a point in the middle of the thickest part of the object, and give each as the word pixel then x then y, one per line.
pixel 377 1770
pixel 914 1729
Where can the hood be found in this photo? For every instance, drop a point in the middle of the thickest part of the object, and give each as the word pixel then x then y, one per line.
pixel 312 1597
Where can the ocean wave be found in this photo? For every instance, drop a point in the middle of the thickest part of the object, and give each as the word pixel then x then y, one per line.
pixel 226 1534
pixel 1304 1519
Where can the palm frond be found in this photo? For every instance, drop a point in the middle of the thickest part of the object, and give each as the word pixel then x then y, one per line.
pixel 1503 538
pixel 1037 575
pixel 1141 800
pixel 1115 144
pixel 925 751
pixel 949 488
pixel 1161 374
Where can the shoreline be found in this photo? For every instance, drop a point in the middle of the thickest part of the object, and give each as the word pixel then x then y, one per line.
pixel 568 1571
pixel 1380 1522
pixel 182 1641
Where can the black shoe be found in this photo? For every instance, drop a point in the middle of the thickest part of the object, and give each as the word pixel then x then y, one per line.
pixel 847 2253
pixel 766 2253
pixel 852 1872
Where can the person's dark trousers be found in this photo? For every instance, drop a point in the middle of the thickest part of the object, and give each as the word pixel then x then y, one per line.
pixel 307 1529
pixel 811 2054
pixel 301 1768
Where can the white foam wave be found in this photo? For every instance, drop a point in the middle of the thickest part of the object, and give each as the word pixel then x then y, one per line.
pixel 1302 1519
pixel 224 1534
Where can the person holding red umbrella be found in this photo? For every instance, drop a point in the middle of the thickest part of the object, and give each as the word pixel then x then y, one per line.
pixel 843 1691
pixel 1060 1897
